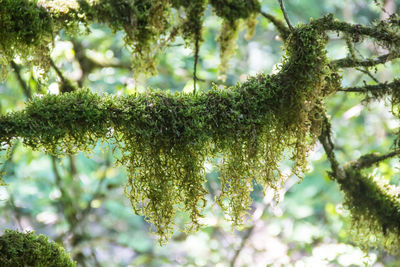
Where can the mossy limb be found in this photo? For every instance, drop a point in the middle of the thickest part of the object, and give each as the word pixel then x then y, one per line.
pixel 28 249
pixel 165 138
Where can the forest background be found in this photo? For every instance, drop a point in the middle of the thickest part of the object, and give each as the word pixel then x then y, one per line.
pixel 79 201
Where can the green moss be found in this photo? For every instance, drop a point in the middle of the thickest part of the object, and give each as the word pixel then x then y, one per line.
pixel 26 30
pixel 375 211
pixel 232 11
pixel 29 26
pixel 145 22
pixel 28 249
pixel 165 138
pixel 227 41
pixel 193 20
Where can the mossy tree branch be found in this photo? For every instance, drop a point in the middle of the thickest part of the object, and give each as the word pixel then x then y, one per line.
pixel 370 62
pixel 368 160
pixel 380 32
pixel 165 138
pixel 377 90
pixel 181 131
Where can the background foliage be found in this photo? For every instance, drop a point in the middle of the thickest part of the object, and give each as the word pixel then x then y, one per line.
pixel 79 200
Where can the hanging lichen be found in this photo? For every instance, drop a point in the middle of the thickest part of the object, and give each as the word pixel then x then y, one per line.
pixel 165 138
pixel 28 249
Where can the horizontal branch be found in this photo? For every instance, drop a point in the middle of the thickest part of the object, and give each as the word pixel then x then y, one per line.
pixel 370 62
pixel 388 38
pixel 368 160
pixel 55 117
pixel 378 90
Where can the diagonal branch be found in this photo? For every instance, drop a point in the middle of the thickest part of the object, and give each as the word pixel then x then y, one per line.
pixel 285 15
pixel 326 140
pixel 367 72
pixel 279 25
pixel 66 85
pixel 22 83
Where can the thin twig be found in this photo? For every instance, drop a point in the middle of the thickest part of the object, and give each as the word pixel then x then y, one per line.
pixel 285 14
pixel 66 199
pixel 367 72
pixel 57 70
pixel 246 237
pixel 196 59
pixel 94 256
pixel 85 212
pixel 66 85
pixel 16 212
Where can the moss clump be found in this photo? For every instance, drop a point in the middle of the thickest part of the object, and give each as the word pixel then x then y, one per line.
pixel 375 211
pixel 166 138
pixel 61 124
pixel 232 11
pixel 145 22
pixel 193 19
pixel 29 26
pixel 28 249
pixel 26 30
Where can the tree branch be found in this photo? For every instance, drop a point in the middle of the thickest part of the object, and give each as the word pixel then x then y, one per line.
pixel 22 83
pixel 196 60
pixel 326 140
pixel 379 89
pixel 285 15
pixel 66 199
pixel 367 72
pixel 328 23
pixel 349 62
pixel 368 160
pixel 66 85
pixel 14 208
pixel 243 242
pixel 279 25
